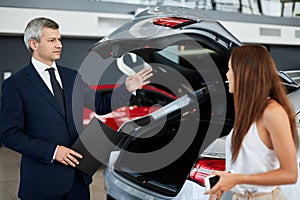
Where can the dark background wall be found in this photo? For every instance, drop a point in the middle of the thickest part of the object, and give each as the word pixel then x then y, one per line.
pixel 14 55
pixel 286 57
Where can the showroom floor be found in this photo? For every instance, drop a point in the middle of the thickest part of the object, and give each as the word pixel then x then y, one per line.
pixel 9 177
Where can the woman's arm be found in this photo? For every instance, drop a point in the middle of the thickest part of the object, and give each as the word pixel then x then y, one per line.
pixel 275 122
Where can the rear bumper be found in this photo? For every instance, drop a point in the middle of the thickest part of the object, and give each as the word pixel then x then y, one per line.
pixel 118 187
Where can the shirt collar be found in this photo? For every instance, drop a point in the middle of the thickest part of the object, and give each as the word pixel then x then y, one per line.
pixel 41 67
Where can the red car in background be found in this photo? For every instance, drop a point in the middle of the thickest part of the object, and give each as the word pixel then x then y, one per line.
pixel 147 100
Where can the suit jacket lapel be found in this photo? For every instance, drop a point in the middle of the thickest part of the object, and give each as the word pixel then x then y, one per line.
pixel 41 87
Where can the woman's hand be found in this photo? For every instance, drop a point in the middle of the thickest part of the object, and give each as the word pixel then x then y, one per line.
pixel 226 182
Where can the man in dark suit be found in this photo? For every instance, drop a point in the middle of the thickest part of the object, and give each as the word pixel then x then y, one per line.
pixel 41 116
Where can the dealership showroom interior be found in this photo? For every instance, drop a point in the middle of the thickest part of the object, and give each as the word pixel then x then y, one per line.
pixel 125 128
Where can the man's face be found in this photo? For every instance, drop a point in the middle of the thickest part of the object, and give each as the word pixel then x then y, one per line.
pixel 49 48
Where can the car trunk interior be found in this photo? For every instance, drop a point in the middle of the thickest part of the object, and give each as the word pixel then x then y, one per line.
pixel 169 179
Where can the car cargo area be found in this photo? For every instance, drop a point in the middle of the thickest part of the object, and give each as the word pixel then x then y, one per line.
pixel 197 118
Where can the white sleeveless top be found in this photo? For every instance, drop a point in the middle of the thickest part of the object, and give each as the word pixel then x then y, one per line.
pixel 254 157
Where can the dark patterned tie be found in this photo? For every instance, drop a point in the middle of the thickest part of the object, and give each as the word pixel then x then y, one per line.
pixel 57 90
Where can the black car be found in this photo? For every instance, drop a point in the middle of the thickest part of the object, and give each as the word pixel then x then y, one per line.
pixel 156 154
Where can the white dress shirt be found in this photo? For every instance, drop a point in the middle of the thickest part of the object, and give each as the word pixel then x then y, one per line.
pixel 41 69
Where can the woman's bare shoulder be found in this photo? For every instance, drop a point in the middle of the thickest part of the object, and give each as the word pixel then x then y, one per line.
pixel 274 112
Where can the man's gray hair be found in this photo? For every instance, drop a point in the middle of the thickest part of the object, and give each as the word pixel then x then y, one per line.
pixel 34 29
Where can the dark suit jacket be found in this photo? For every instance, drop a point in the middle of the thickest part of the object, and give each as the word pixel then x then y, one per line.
pixel 33 125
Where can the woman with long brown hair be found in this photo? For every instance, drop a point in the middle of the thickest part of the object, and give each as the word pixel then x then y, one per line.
pixel 261 148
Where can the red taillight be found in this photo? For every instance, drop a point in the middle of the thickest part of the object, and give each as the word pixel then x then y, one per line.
pixel 173 22
pixel 204 167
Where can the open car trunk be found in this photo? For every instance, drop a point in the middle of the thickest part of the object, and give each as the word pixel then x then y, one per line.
pixel 158 151
pixel 170 126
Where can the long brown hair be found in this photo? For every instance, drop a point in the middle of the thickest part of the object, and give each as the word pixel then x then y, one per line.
pixel 255 80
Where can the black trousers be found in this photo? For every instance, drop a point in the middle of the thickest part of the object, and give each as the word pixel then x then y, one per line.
pixel 79 190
